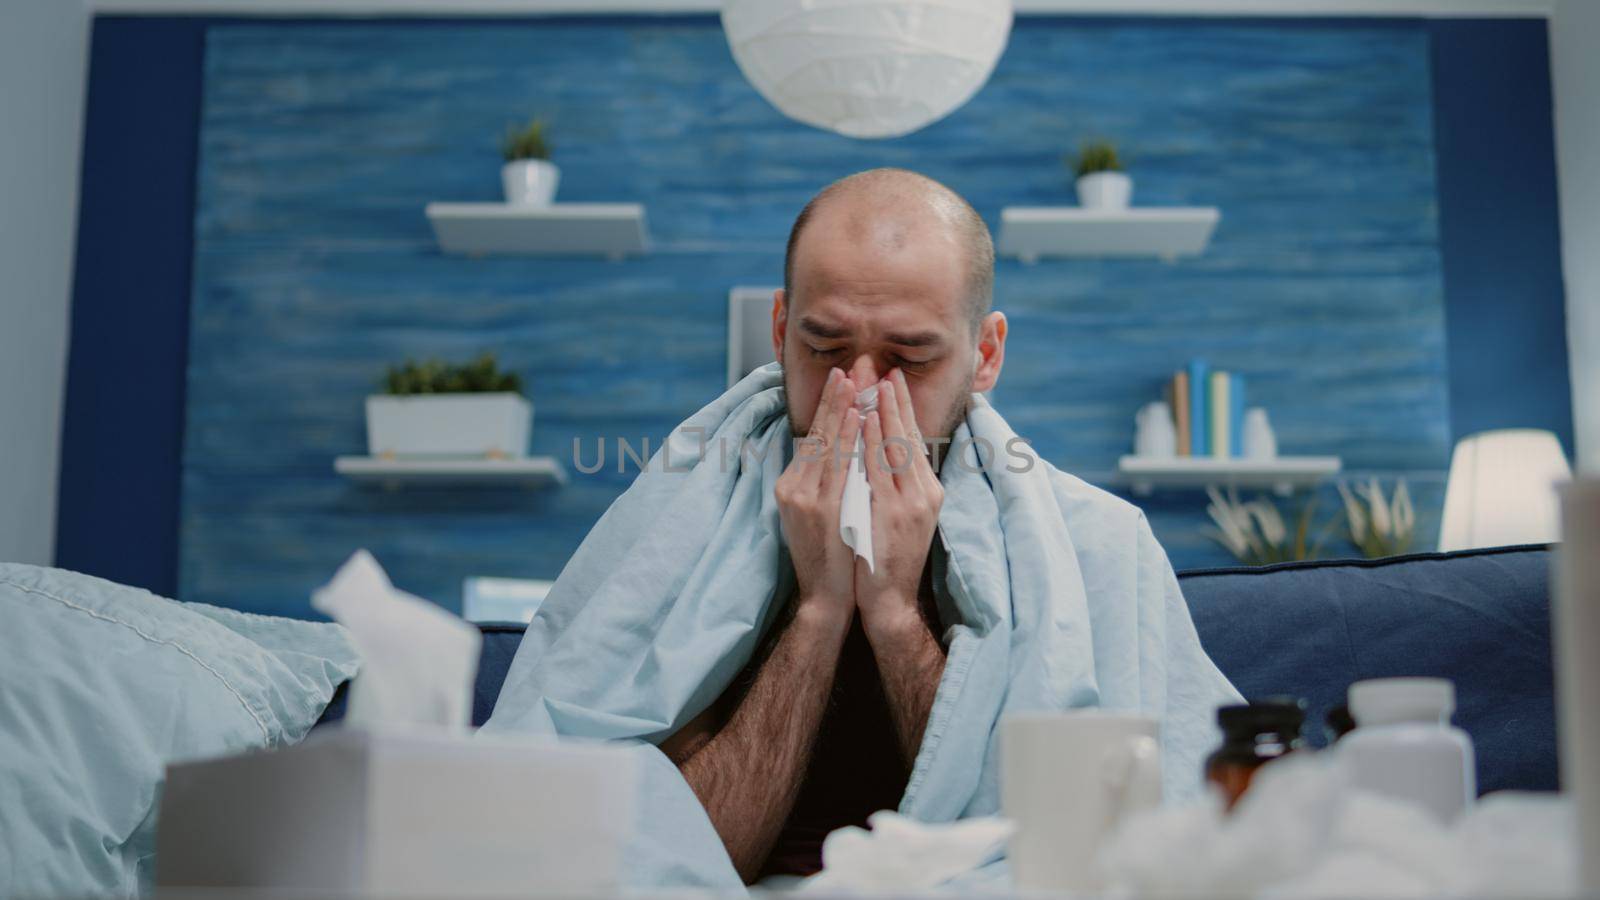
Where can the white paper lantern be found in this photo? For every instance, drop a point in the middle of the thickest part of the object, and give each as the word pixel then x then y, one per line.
pixel 867 68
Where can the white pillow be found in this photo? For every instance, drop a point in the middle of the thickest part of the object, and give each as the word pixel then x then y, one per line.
pixel 101 685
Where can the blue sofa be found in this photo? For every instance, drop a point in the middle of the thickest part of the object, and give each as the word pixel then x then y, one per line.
pixel 1480 618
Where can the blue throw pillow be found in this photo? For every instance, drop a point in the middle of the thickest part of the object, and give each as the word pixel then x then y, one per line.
pixel 102 685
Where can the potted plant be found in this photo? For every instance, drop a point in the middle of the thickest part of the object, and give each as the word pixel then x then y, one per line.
pixel 1257 534
pixel 1101 182
pixel 530 178
pixel 435 409
pixel 1379 527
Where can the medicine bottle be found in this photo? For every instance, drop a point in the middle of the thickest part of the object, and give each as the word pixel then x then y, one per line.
pixel 1405 748
pixel 1253 734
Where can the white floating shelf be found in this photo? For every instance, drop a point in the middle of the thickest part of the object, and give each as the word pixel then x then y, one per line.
pixel 613 230
pixel 1031 233
pixel 1281 474
pixel 526 471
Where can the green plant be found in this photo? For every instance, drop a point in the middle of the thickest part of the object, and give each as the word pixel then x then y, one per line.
pixel 432 376
pixel 1379 527
pixel 1255 532
pixel 526 142
pixel 1096 156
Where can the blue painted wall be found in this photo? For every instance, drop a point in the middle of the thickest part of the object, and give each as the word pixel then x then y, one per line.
pixel 1507 326
pixel 314 268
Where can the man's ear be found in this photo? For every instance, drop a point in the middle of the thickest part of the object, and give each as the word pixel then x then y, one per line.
pixel 991 351
pixel 780 323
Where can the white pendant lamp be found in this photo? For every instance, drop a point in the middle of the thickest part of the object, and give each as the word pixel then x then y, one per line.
pixel 867 68
pixel 1502 490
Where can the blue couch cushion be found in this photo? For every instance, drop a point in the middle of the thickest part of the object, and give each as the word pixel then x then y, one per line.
pixel 500 643
pixel 1480 618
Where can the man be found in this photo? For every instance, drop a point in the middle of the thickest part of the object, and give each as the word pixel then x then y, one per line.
pixel 887 283
pixel 776 685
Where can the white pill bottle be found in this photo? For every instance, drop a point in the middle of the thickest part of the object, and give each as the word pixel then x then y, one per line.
pixel 1405 748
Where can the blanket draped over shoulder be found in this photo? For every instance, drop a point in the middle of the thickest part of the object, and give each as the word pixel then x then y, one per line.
pixel 1059 598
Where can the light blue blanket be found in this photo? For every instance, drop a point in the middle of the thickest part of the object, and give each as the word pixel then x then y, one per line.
pixel 1061 597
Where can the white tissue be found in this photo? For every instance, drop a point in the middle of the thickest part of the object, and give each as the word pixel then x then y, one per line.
pixel 418 662
pixel 901 855
pixel 1303 832
pixel 855 508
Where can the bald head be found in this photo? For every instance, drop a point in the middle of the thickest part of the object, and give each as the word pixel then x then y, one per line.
pixel 889 276
pixel 884 210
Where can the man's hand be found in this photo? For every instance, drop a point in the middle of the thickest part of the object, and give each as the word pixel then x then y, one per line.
pixel 906 496
pixel 808 495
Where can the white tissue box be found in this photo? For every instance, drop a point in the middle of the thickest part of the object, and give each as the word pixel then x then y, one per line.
pixel 356 812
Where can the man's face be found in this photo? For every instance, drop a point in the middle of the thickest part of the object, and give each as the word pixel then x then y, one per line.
pixel 871 297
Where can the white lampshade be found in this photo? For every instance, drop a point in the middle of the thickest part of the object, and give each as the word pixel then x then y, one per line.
pixel 1502 490
pixel 867 68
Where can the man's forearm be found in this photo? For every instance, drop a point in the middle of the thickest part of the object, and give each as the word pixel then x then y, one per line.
pixel 911 662
pixel 749 773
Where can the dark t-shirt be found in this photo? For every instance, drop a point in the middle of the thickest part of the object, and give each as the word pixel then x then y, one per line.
pixel 856 768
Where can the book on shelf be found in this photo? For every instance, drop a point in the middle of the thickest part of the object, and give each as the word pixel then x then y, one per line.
pixel 1199 415
pixel 1217 406
pixel 1207 408
pixel 1178 400
pixel 1236 413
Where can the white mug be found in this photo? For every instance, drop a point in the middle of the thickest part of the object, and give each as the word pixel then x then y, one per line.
pixel 1067 779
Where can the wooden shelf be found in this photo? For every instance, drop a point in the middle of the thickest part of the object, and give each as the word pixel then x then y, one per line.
pixel 1031 233
pixel 1281 474
pixel 519 472
pixel 612 230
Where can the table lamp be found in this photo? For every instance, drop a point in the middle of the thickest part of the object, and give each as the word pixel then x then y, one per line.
pixel 1502 490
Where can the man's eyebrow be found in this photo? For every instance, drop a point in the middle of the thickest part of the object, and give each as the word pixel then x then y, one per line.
pixel 822 329
pixel 915 339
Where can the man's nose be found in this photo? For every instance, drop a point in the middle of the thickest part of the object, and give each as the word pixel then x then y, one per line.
pixel 864 372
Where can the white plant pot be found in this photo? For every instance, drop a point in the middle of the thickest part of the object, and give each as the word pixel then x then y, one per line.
pixel 480 425
pixel 530 182
pixel 1105 190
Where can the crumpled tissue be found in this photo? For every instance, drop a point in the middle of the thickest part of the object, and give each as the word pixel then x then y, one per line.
pixel 855 507
pixel 901 854
pixel 1303 832
pixel 418 661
